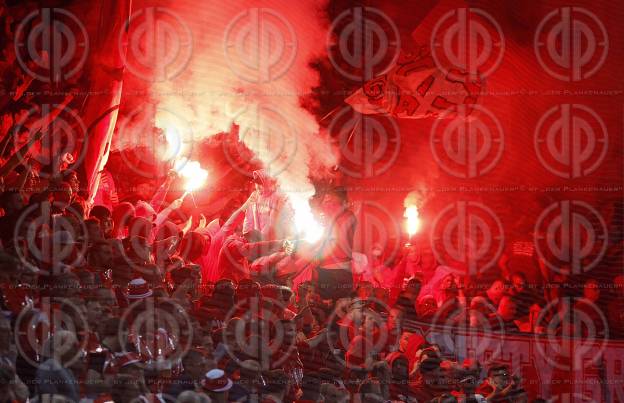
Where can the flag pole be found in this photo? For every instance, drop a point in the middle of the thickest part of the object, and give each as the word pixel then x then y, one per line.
pixel 330 113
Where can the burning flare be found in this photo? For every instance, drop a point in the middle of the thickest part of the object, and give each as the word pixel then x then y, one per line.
pixel 306 224
pixel 194 175
pixel 191 171
pixel 412 220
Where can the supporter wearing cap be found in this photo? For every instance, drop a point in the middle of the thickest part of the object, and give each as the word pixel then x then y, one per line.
pixel 217 385
pixel 138 289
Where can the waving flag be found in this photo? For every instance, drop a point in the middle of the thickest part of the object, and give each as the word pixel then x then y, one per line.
pixel 414 88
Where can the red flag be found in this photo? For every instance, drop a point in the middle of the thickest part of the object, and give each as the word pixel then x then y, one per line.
pixel 105 78
pixel 415 88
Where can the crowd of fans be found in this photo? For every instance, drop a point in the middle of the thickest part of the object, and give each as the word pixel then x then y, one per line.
pixel 123 304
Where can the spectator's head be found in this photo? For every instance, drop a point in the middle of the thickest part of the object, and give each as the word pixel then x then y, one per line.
pixel 106 220
pixel 518 282
pixel 192 246
pixel 167 230
pixel 499 376
pixel 62 346
pixel 123 214
pixel 11 202
pixel 496 290
pixel 413 287
pixel 399 365
pixel 247 289
pixel 144 189
pixel 110 334
pixel 140 226
pixel 126 388
pixel 194 363
pixel 334 201
pixel 100 254
pixel 94 230
pixel 507 308
pixel 427 306
pixel 62 195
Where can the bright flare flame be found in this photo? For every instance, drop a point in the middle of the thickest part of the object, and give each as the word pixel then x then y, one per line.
pixel 194 175
pixel 191 171
pixel 305 223
pixel 413 220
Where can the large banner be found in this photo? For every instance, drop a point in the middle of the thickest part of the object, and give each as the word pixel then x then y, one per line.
pixel 558 368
